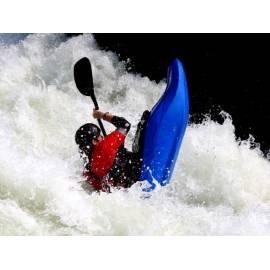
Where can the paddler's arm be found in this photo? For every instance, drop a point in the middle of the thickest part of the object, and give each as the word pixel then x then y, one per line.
pixel 120 123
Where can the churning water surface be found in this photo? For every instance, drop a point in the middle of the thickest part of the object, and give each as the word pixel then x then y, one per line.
pixel 221 186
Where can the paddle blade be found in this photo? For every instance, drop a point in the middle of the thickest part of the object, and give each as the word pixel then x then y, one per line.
pixel 83 77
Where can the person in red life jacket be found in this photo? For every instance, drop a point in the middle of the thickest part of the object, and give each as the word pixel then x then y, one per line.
pixel 108 162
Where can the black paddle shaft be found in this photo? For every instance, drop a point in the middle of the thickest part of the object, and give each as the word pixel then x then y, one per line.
pixel 84 81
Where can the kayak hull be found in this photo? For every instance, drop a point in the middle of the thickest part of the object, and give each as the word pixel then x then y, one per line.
pixel 165 129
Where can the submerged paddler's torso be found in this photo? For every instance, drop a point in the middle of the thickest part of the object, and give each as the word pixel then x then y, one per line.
pixel 107 163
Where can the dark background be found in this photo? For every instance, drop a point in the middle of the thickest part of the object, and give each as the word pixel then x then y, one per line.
pixel 227 72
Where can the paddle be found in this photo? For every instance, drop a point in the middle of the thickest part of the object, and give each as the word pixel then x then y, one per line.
pixel 84 82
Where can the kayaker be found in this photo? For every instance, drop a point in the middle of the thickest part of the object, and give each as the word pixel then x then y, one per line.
pixel 108 162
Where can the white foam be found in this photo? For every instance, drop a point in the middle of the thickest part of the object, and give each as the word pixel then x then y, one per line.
pixel 220 185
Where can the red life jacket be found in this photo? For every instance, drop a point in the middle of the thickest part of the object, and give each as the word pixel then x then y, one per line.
pixel 102 159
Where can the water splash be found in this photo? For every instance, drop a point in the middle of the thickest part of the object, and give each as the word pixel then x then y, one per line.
pixel 220 185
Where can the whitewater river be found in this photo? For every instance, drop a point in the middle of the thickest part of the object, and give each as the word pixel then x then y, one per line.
pixel 220 185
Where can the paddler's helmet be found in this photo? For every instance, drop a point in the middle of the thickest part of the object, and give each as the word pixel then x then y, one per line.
pixel 84 136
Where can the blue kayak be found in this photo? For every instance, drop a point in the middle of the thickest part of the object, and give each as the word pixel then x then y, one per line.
pixel 165 129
